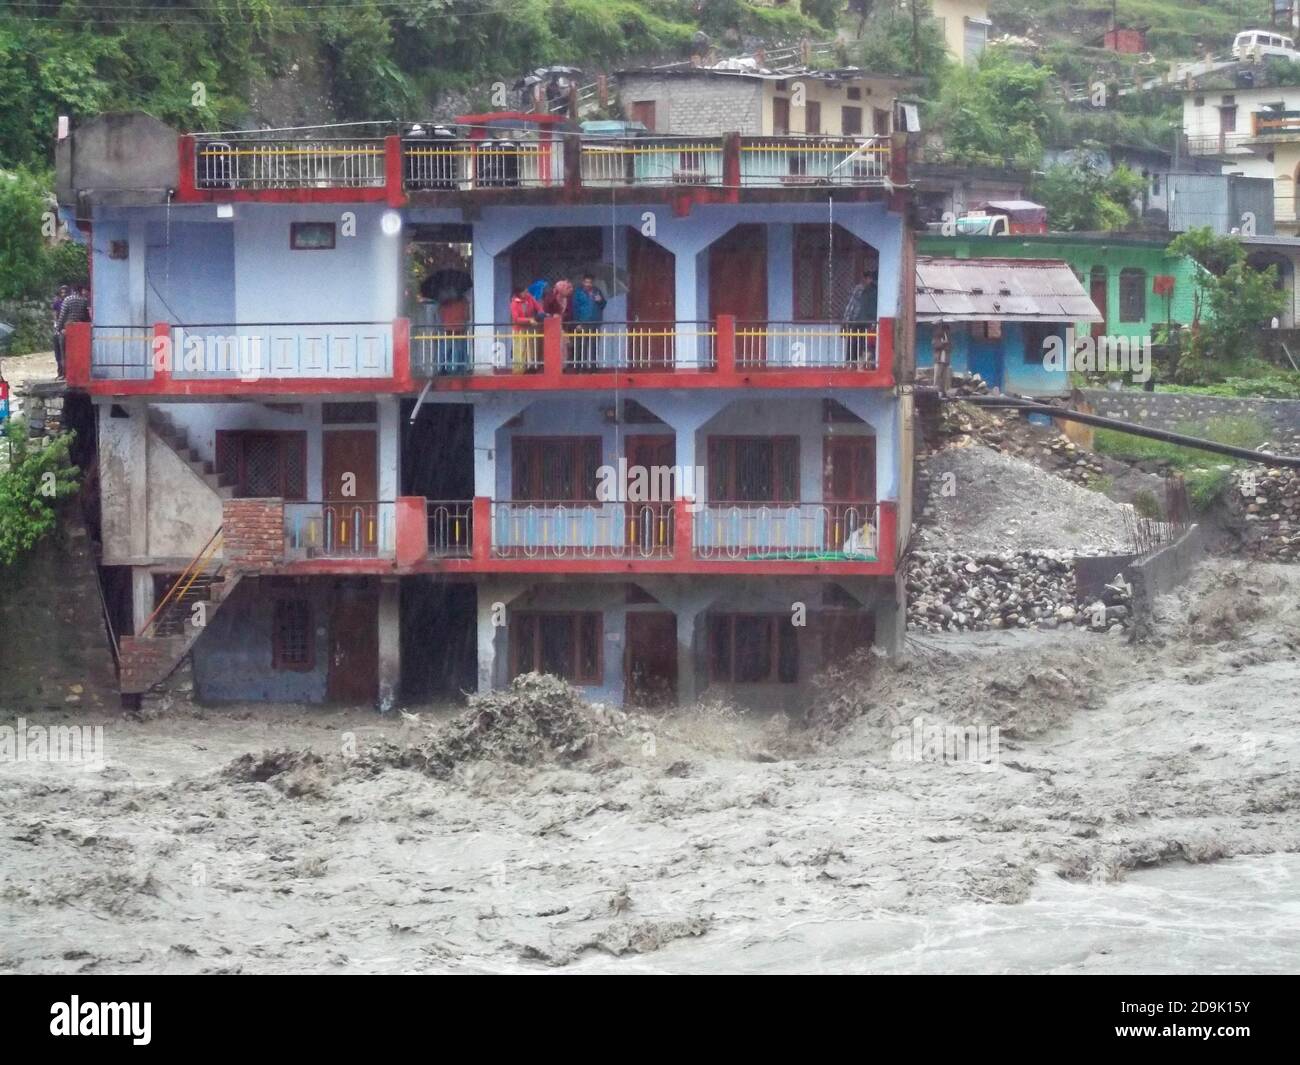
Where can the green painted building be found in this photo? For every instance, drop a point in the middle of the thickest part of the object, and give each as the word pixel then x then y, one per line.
pixel 1133 281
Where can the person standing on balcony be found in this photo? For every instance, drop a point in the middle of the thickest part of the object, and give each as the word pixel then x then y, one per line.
pixel 859 316
pixel 525 313
pixel 75 308
pixel 560 304
pixel 453 312
pixel 588 313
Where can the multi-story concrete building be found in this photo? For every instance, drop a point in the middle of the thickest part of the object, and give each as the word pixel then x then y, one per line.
pixel 336 463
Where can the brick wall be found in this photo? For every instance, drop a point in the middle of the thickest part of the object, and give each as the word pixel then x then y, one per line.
pixel 144 662
pixel 252 533
pixel 698 106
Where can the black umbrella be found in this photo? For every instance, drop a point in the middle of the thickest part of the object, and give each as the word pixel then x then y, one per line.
pixel 439 281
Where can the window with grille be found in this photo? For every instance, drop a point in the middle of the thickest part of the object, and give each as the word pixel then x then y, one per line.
pixel 564 645
pixel 292 643
pixel 1132 294
pixel 263 464
pixel 752 649
pixel 824 281
pixel 754 469
pixel 561 469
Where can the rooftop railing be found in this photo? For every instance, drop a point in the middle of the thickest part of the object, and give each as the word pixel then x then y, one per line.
pixel 249 162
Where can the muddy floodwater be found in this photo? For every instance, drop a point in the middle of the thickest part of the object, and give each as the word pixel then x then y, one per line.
pixel 1137 815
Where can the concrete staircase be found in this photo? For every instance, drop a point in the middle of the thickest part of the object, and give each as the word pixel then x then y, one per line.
pixel 175 625
pixel 178 440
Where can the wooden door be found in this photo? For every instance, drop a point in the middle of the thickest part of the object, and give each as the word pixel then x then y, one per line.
pixel 353 675
pixel 350 478
pixel 651 302
pixel 738 286
pixel 650 662
pixel 780 116
pixel 649 522
pixel 848 486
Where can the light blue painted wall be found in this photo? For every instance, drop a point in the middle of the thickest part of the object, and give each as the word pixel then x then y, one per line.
pixel 1000 362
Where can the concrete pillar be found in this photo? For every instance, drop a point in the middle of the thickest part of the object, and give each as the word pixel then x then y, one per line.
pixel 390 449
pixel 137 477
pixel 141 597
pixel 687 682
pixel 491 638
pixel 390 643
pixel 891 620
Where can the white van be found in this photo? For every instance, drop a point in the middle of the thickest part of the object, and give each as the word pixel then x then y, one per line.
pixel 1253 44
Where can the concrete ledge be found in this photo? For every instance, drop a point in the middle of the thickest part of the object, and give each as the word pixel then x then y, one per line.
pixel 1159 572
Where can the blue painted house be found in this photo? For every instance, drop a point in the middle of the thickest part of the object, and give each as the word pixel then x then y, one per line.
pixel 1001 317
pixel 322 412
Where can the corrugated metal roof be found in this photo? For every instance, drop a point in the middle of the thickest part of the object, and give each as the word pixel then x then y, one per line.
pixel 1007 290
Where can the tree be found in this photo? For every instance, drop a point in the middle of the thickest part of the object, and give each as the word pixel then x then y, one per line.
pixel 1235 299
pixel 1079 197
pixel 31 486
pixel 993 112
pixel 904 41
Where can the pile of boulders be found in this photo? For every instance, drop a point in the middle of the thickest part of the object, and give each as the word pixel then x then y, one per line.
pixel 1269 500
pixel 956 592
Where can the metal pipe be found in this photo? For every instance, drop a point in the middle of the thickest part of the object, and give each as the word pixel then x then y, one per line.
pixel 1028 406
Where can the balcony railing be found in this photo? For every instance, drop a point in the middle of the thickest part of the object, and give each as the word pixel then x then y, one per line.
pixel 121 352
pixel 815 345
pixel 644 161
pixel 785 162
pixel 1276 123
pixel 244 352
pixel 339 529
pixel 450 528
pixel 477 349
pixel 1215 143
pixel 464 165
pixel 216 359
pixel 558 530
pixel 254 163
pixel 799 531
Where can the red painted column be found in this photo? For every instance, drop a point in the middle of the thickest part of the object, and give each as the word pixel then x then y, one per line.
pixel 482 532
pixel 185 192
pixel 402 378
pixel 725 344
pixel 888 535
pixel 885 344
pixel 394 174
pixel 731 166
pixel 76 354
pixel 412 528
pixel 683 530
pixel 552 347
pixel 162 356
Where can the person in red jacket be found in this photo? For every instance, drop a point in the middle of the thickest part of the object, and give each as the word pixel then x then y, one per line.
pixel 525 313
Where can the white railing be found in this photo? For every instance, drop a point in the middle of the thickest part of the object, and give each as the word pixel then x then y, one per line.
pixel 283 164
pixel 485 348
pixel 450 527
pixel 784 162
pixel 251 352
pixel 650 161
pixel 121 352
pixel 449 164
pixel 547 530
pixel 1215 143
pixel 791 345
pixel 339 529
pixel 640 346
pixel 799 531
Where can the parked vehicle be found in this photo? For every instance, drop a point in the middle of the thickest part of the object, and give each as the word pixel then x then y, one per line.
pixel 1253 44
